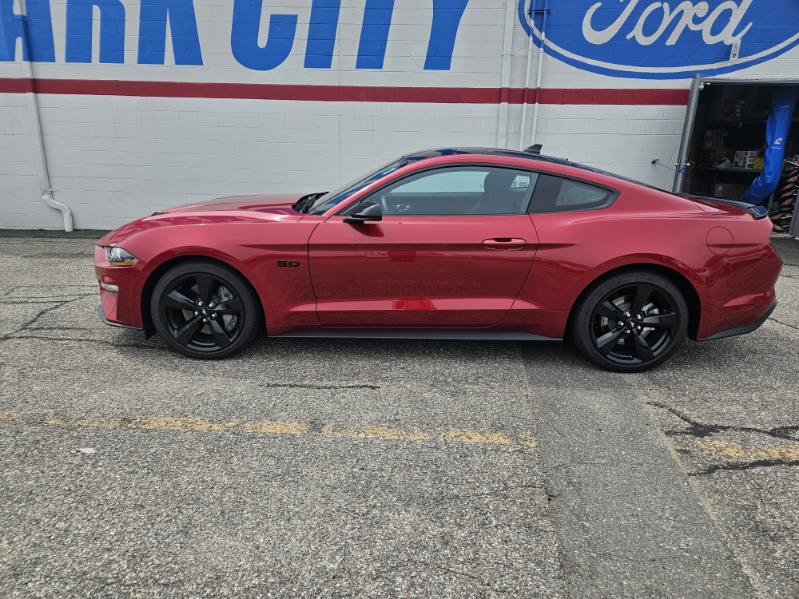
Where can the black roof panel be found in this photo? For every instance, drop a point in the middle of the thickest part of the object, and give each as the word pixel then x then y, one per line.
pixel 436 152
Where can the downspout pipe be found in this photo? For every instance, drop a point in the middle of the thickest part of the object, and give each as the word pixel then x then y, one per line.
pixel 539 73
pixel 47 191
pixel 47 188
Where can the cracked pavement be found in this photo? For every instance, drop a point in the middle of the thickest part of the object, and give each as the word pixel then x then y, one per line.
pixel 340 467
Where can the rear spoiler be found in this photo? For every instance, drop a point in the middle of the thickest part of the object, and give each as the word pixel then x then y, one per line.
pixel 755 210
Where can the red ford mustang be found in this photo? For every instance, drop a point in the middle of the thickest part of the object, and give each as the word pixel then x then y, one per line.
pixel 462 243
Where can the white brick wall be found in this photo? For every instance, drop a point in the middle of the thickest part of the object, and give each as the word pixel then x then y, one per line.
pixel 115 158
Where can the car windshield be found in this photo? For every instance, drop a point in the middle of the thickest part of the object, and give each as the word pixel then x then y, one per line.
pixel 335 197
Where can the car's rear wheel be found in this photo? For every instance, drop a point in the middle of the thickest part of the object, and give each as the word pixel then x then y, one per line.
pixel 631 322
pixel 204 310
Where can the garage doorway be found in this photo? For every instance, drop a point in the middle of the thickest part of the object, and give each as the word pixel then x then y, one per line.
pixel 724 142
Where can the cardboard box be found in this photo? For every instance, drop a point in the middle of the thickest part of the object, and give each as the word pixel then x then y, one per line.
pixel 745 158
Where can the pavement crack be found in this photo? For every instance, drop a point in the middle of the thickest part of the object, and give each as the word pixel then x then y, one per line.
pixel 61 297
pixel 319 386
pixel 442 568
pixel 59 328
pixel 57 255
pixel 27 301
pixel 759 457
pixel 28 325
pixel 30 322
pixel 74 339
pixel 701 430
pixel 785 324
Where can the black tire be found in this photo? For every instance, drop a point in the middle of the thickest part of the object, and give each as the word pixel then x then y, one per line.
pixel 609 325
pixel 204 310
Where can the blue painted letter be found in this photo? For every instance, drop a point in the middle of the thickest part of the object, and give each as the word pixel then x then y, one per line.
pixel 322 34
pixel 79 30
pixel 35 30
pixel 446 19
pixel 374 34
pixel 182 24
pixel 244 36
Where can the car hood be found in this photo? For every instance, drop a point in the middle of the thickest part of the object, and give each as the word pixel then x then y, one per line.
pixel 277 204
pixel 256 208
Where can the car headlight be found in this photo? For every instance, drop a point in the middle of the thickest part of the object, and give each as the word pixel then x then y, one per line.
pixel 118 256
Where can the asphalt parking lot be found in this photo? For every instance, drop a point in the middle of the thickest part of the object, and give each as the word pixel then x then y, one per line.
pixel 344 467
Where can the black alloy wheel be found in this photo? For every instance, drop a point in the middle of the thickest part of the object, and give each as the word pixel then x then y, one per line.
pixel 631 322
pixel 204 310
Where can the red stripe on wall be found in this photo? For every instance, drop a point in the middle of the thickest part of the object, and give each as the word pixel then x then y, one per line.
pixel 346 93
pixel 16 86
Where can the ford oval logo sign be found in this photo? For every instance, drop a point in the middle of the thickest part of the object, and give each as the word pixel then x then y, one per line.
pixel 662 40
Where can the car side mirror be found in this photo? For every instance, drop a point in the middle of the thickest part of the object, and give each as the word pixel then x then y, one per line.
pixel 372 212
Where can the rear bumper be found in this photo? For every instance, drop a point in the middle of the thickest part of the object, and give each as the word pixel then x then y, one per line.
pixel 742 330
pixel 740 292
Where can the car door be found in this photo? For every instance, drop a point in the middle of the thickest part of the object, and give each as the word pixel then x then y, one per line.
pixel 453 248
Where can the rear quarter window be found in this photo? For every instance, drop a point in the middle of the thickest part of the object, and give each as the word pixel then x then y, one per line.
pixel 558 194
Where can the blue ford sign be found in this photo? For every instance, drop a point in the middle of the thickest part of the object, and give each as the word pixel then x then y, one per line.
pixel 662 40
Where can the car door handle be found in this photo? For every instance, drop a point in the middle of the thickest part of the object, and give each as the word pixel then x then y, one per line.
pixel 504 243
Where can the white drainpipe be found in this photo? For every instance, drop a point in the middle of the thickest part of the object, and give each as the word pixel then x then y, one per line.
pixel 47 188
pixel 66 211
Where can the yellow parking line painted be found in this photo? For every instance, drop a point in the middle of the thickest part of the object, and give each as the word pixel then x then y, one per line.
pixel 375 432
pixel 474 437
pixel 275 427
pixel 197 425
pixel 728 449
pixel 288 427
pixel 200 425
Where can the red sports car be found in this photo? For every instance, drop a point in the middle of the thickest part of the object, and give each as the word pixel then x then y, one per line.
pixel 458 243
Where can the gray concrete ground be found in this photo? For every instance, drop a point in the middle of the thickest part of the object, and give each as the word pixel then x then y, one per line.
pixel 343 467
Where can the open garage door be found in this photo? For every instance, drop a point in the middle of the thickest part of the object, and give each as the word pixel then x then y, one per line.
pixel 724 145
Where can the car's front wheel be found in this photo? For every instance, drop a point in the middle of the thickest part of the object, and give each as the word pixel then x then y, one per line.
pixel 204 310
pixel 631 322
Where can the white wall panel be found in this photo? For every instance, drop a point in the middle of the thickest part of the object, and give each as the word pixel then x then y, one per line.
pixel 113 158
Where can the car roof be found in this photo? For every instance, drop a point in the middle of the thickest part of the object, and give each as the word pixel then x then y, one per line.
pixel 438 152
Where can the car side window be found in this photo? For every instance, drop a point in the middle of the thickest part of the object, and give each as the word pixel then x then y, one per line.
pixel 557 194
pixel 444 181
pixel 462 190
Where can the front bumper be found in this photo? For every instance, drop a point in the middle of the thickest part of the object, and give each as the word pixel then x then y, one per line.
pixel 123 306
pixel 101 313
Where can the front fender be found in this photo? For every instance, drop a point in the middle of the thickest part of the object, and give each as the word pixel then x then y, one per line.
pixel 254 248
